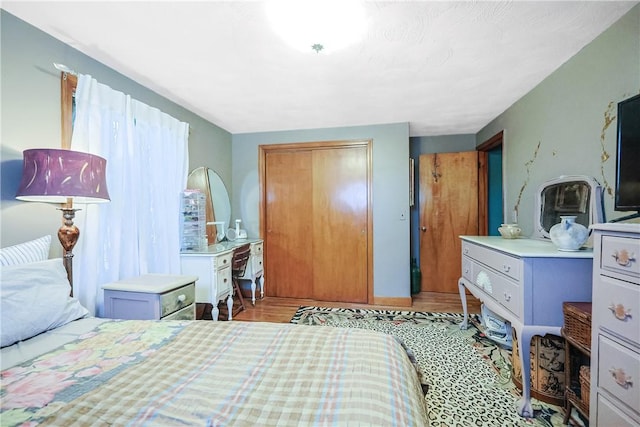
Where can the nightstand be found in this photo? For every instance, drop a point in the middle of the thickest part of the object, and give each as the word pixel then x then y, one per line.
pixel 151 296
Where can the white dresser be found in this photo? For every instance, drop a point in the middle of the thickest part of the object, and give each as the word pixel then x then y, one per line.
pixel 525 282
pixel 213 267
pixel 615 339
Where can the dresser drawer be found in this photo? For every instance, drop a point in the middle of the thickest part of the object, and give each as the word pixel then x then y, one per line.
pixel 177 299
pixel 619 372
pixel 609 415
pixel 467 269
pixel 620 255
pixel 187 313
pixel 257 262
pixel 618 308
pixel 224 282
pixel 499 261
pixel 256 248
pixel 502 289
pixel 223 260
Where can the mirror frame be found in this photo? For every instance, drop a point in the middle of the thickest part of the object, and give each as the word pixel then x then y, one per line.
pixel 210 183
pixel 592 209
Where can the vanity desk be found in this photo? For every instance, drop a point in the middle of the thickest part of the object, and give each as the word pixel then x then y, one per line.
pixel 213 267
pixel 524 281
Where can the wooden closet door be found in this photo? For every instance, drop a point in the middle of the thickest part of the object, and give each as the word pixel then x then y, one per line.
pixel 289 223
pixel 448 209
pixel 340 210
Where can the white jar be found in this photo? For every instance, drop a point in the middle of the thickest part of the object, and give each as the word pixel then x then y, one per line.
pixel 568 235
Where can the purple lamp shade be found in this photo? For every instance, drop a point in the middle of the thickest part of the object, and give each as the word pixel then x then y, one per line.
pixel 53 175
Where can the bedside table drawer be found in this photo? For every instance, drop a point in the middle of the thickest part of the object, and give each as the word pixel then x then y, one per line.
pixel 187 313
pixel 177 299
pixel 150 296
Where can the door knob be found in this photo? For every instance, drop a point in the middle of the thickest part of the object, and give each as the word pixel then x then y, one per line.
pixel 423 228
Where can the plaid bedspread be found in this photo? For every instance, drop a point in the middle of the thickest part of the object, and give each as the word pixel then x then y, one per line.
pixel 170 373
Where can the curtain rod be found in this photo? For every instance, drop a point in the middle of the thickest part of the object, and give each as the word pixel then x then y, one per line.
pixel 64 69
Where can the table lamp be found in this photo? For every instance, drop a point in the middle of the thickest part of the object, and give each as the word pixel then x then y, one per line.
pixel 63 176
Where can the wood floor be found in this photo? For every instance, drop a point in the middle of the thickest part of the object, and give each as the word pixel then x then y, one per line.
pixel 281 310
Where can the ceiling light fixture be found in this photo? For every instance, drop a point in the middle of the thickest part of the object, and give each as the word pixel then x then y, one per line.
pixel 314 26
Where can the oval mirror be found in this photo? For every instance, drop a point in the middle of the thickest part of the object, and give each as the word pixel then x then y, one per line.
pixel 218 204
pixel 577 195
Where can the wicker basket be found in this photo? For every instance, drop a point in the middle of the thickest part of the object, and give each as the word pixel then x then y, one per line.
pixel 577 321
pixel 585 384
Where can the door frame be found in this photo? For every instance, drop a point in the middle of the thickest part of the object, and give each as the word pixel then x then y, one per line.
pixel 483 180
pixel 264 149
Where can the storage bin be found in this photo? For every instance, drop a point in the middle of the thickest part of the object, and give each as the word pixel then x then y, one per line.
pixel 577 322
pixel 585 384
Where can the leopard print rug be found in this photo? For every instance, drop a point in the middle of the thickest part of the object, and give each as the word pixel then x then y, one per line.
pixel 467 376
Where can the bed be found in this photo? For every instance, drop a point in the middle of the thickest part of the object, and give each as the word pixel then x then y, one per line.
pixel 89 371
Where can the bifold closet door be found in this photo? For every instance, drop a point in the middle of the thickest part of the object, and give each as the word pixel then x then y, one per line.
pixel 316 220
pixel 289 224
pixel 340 206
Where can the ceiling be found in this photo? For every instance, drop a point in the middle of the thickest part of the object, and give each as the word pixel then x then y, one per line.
pixel 444 67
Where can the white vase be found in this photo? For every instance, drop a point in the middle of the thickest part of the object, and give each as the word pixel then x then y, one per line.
pixel 568 235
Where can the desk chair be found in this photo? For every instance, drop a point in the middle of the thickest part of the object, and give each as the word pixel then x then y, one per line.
pixel 238 266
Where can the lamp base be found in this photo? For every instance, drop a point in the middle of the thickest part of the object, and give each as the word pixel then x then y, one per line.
pixel 68 235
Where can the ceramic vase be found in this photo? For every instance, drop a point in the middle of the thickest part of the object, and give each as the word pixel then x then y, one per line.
pixel 568 235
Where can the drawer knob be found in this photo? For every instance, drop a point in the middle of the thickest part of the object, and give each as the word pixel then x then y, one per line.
pixel 620 312
pixel 466 251
pixel 624 258
pixel 621 378
pixel 507 297
pixel 506 268
pixel 182 297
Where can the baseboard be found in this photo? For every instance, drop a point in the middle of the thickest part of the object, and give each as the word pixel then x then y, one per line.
pixel 394 301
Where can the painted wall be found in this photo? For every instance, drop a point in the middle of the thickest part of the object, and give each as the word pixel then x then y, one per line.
pixel 563 126
pixel 566 125
pixel 30 116
pixel 390 193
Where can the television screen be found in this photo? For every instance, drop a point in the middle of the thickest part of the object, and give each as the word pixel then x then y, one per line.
pixel 627 195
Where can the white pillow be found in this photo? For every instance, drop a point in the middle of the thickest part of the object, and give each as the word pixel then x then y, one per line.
pixel 23 253
pixel 35 298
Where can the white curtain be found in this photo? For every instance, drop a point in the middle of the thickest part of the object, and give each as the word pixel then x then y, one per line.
pixel 147 164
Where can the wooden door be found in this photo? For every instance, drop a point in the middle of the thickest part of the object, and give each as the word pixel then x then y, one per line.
pixel 448 209
pixel 316 214
pixel 289 223
pixel 340 205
